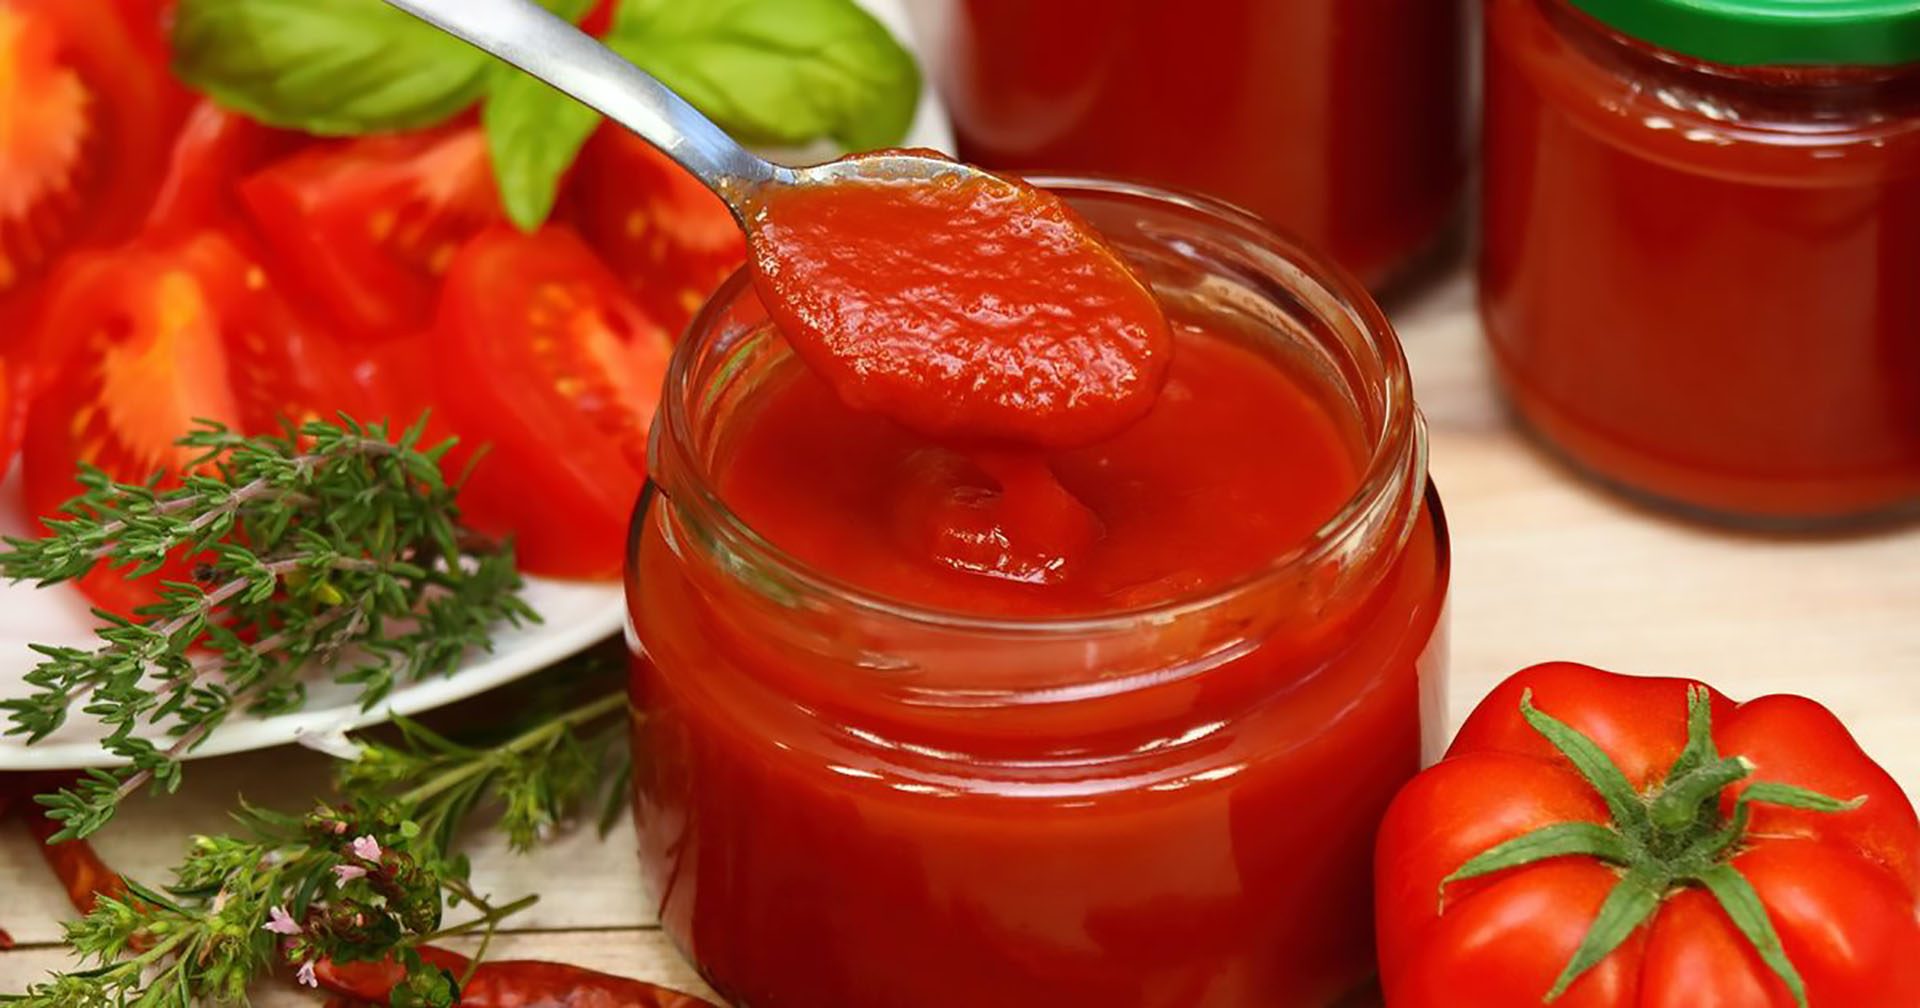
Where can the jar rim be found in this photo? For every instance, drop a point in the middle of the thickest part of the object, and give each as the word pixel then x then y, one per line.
pixel 1398 446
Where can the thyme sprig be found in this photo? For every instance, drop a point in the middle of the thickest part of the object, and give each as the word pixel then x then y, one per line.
pixel 335 545
pixel 368 877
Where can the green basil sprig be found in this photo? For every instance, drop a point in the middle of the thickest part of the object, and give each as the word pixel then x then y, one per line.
pixel 769 71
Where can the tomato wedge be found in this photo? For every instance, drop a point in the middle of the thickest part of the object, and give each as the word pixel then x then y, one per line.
pixel 160 334
pixel 89 111
pixel 541 356
pixel 599 19
pixel 215 149
pixel 661 232
pixel 13 412
pixel 369 226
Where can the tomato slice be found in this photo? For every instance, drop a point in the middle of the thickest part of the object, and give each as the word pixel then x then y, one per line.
pixel 599 19
pixel 541 356
pixel 161 334
pixel 663 234
pixel 369 226
pixel 215 149
pixel 13 412
pixel 89 111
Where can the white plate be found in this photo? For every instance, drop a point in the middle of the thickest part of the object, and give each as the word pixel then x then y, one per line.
pixel 575 614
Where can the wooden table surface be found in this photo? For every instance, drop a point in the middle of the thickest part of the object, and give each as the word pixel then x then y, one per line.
pixel 1544 568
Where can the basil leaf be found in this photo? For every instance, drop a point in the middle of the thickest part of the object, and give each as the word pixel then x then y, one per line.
pixel 332 67
pixel 777 71
pixel 533 134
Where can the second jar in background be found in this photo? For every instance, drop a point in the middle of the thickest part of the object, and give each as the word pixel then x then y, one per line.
pixel 1701 261
pixel 1337 120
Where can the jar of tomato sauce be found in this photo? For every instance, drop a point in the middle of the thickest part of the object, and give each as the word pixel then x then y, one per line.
pixel 1701 262
pixel 865 780
pixel 1340 121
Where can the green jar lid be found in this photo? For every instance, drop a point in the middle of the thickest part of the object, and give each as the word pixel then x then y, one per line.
pixel 1771 32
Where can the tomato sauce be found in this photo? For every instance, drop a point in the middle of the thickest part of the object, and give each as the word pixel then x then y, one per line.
pixel 1700 281
pixel 1258 462
pixel 878 767
pixel 1338 120
pixel 966 306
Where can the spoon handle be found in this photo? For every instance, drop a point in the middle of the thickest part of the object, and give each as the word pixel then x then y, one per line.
pixel 530 37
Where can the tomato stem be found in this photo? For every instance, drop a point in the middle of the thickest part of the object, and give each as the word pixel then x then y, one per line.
pixel 1681 806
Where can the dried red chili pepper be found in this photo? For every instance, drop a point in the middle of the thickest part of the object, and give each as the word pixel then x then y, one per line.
pixel 81 872
pixel 513 983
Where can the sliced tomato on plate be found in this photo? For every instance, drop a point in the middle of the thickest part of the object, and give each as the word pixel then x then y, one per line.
pixel 540 355
pixel 599 19
pixel 214 150
pixel 667 238
pixel 90 113
pixel 369 226
pixel 13 412
pixel 153 337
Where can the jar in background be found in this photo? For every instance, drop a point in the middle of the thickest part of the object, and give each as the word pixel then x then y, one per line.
pixel 1339 121
pixel 846 801
pixel 1701 263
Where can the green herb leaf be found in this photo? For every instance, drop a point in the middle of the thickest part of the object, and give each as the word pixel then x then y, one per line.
pixel 777 71
pixel 332 67
pixel 402 807
pixel 334 545
pixel 533 134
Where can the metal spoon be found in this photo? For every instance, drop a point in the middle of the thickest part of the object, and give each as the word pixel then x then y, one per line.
pixel 532 38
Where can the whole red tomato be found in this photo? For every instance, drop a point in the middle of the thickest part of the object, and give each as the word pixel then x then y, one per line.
pixel 1603 841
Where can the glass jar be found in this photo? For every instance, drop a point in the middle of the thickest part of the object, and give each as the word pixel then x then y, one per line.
pixel 1340 121
pixel 845 801
pixel 1700 269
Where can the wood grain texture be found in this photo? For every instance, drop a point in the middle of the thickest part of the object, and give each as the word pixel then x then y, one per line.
pixel 1545 567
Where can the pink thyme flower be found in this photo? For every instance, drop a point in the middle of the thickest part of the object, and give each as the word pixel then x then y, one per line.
pixel 346 873
pixel 306 976
pixel 280 922
pixel 366 848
